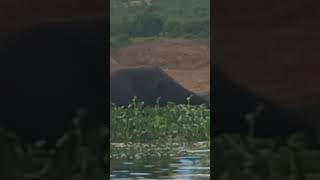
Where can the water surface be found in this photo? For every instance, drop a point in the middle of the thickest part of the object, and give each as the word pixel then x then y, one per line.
pixel 187 164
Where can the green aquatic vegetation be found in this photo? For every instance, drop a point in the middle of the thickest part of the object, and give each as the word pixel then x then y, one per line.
pixel 21 161
pixel 76 155
pixel 141 151
pixel 265 159
pixel 176 123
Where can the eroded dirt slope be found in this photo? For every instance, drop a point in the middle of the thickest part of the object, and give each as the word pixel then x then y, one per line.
pixel 186 61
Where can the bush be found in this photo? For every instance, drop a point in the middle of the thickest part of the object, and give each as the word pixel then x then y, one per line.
pixel 146 25
pixel 171 18
pixel 119 41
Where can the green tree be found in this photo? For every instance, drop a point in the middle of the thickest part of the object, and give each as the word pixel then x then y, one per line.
pixel 147 24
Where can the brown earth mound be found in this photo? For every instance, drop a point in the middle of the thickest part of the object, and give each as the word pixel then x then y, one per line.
pixel 113 64
pixel 188 62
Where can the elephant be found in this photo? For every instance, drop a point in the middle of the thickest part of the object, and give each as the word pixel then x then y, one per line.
pixel 205 96
pixel 148 83
pixel 48 71
pixel 237 110
pixel 266 51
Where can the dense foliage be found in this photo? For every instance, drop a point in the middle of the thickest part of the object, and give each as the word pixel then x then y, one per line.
pixel 176 123
pixel 233 156
pixel 70 161
pixel 264 159
pixel 168 18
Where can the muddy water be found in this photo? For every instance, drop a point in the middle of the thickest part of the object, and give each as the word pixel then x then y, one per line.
pixel 191 164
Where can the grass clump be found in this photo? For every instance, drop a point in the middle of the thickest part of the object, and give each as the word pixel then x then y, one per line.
pixel 171 123
pixel 265 159
pixel 68 158
pixel 22 162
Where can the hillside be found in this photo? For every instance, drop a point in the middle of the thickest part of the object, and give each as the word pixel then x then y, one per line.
pixel 187 61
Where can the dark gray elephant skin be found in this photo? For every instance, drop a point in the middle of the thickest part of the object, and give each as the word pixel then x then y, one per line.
pixel 148 83
pixel 271 49
pixel 232 104
pixel 48 71
pixel 205 96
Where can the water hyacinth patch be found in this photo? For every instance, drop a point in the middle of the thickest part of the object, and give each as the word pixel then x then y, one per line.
pixel 177 123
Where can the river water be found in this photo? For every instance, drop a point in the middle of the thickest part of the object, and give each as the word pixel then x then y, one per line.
pixel 190 164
